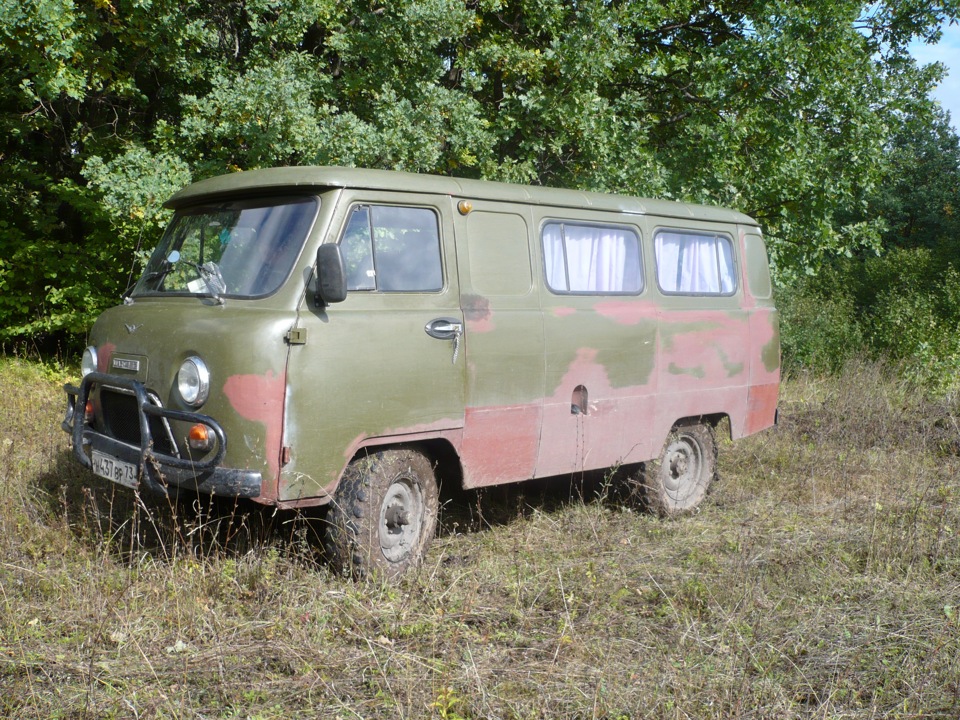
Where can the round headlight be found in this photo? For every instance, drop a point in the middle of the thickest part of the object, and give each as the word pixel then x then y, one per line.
pixel 89 362
pixel 193 381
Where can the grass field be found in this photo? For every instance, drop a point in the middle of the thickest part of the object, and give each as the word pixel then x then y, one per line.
pixel 821 579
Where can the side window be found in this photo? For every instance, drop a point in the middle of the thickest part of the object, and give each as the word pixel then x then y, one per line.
pixel 392 249
pixel 758 269
pixel 595 259
pixel 694 263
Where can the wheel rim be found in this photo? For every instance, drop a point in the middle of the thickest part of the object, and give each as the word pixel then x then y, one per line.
pixel 401 519
pixel 682 468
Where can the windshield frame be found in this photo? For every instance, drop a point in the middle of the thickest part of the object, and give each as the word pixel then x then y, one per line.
pixel 290 241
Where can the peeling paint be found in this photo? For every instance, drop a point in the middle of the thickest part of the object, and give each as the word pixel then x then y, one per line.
pixel 477 313
pixel 733 368
pixel 616 427
pixel 697 372
pixel 761 407
pixel 770 351
pixel 500 444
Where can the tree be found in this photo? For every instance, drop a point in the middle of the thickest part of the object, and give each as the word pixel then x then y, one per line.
pixel 920 201
pixel 784 110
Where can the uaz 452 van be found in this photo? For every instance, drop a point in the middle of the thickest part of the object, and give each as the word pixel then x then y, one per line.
pixel 312 336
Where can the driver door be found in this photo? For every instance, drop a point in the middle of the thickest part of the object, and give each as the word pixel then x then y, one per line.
pixel 386 365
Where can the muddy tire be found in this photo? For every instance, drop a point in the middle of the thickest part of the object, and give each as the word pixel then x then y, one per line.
pixel 384 514
pixel 678 481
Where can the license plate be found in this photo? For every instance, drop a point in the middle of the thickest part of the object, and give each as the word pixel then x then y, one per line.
pixel 116 470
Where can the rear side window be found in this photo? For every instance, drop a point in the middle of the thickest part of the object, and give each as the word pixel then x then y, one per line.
pixel 691 263
pixel 592 259
pixel 392 249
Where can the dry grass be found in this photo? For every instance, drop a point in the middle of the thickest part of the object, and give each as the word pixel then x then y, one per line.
pixel 821 580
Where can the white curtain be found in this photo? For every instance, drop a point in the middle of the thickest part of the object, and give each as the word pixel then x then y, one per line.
pixel 553 257
pixel 690 263
pixel 597 259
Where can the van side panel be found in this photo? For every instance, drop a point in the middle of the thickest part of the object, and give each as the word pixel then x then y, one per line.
pixel 503 345
pixel 646 362
pixel 764 374
pixel 603 352
pixel 600 356
pixel 764 336
pixel 704 361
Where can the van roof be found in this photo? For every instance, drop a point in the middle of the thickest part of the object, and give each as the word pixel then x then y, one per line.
pixel 277 180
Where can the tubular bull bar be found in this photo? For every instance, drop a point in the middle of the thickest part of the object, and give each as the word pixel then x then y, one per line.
pixel 158 472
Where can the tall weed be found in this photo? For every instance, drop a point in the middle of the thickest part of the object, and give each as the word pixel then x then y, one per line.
pixel 820 580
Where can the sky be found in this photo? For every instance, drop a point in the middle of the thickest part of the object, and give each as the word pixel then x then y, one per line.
pixel 947 51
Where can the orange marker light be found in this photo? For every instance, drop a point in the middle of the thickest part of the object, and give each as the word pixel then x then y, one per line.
pixel 200 437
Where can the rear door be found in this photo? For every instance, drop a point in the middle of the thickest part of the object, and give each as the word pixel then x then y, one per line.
pixel 503 339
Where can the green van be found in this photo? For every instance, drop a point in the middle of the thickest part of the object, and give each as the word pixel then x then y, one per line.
pixel 328 336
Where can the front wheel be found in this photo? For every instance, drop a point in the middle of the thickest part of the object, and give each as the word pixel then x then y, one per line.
pixel 678 481
pixel 384 514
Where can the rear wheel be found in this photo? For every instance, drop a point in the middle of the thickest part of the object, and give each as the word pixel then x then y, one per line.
pixel 678 481
pixel 384 514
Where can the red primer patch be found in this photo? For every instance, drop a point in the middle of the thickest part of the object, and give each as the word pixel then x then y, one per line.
pixel 500 444
pixel 260 398
pixel 761 407
pixel 104 355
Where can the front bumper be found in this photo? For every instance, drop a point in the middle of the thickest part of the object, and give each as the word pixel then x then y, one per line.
pixel 158 472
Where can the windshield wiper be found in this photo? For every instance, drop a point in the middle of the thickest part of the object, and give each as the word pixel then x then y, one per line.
pixel 165 268
pixel 209 273
pixel 212 278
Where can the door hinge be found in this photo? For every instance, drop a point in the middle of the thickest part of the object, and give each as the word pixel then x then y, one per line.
pixel 297 336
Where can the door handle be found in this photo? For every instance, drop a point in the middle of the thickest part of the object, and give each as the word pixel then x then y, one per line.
pixel 444 328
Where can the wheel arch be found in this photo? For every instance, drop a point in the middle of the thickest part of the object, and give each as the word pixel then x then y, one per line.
pixel 714 420
pixel 440 451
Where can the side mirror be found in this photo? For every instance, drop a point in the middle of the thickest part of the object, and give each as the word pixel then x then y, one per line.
pixel 331 275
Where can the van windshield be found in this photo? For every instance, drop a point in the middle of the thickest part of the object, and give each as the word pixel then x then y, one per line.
pixel 241 248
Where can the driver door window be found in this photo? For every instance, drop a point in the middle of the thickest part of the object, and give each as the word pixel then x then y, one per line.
pixel 392 249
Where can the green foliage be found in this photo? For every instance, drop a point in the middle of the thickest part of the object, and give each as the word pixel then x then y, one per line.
pixel 920 202
pixel 913 315
pixel 789 111
pixel 902 303
pixel 903 307
pixel 819 328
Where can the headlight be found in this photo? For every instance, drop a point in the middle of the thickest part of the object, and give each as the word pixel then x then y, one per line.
pixel 89 362
pixel 193 381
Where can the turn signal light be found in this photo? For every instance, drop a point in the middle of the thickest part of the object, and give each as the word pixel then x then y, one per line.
pixel 200 437
pixel 88 412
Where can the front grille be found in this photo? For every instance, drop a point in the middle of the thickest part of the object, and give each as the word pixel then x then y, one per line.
pixel 121 420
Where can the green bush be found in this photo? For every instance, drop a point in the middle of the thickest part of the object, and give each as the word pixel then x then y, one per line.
pixel 902 307
pixel 820 331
